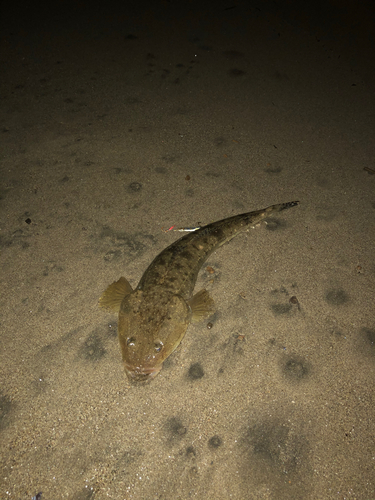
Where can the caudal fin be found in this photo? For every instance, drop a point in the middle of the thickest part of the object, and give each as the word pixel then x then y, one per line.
pixel 281 206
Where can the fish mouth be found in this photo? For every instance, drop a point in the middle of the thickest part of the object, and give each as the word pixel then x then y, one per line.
pixel 141 373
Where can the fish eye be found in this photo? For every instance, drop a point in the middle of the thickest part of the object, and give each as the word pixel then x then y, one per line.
pixel 158 346
pixel 130 341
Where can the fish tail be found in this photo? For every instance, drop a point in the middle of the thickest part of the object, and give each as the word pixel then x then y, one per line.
pixel 290 204
pixel 281 206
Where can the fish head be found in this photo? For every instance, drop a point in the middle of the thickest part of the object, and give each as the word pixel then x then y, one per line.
pixel 151 326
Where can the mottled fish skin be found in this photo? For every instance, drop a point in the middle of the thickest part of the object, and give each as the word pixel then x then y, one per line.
pixel 154 317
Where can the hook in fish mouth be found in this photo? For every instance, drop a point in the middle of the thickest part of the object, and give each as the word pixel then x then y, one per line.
pixel 141 373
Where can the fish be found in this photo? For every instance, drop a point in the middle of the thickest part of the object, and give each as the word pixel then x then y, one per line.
pixel 154 317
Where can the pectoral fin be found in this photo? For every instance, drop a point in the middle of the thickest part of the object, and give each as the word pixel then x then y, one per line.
pixel 201 306
pixel 112 297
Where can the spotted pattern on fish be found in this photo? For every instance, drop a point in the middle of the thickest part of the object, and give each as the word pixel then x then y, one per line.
pixel 153 318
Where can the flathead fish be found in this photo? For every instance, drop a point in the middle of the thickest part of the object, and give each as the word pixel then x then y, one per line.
pixel 153 318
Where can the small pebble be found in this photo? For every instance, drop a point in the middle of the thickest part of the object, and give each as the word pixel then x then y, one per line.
pixel 135 186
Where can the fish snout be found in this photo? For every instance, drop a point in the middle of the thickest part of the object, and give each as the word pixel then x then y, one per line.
pixel 141 373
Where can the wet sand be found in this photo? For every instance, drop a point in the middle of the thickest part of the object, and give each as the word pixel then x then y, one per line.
pixel 117 122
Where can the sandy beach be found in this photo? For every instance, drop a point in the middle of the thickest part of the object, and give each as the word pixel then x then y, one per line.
pixel 119 121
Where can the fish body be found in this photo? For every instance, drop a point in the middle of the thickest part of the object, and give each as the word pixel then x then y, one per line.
pixel 153 318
